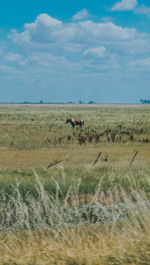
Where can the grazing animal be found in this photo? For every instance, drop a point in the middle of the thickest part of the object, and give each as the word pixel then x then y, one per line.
pixel 75 122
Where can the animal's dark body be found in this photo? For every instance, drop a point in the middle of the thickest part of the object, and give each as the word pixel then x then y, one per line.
pixel 75 122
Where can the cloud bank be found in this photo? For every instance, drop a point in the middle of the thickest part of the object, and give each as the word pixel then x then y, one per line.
pixel 48 53
pixel 83 44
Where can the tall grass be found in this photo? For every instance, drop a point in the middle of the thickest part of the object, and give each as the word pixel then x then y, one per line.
pixel 108 228
pixel 86 245
pixel 35 205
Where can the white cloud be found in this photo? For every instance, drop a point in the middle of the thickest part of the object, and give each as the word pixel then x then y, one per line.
pixel 95 52
pixel 143 10
pixel 140 64
pixel 46 30
pixel 13 57
pixel 43 20
pixel 83 14
pixel 41 29
pixel 51 46
pixel 23 37
pixel 125 5
pixel 48 48
pixel 49 57
pixel 9 71
pixel 92 32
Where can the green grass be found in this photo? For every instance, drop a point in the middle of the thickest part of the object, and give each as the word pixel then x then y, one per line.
pixel 87 193
pixel 32 127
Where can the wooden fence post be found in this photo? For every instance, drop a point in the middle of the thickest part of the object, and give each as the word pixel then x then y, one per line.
pixel 53 164
pixel 134 157
pixel 97 159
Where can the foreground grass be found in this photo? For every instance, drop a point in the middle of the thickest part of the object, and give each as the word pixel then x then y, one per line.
pixel 80 246
pixel 109 225
pixel 123 240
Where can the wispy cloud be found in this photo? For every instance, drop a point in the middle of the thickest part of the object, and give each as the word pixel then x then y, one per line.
pixel 14 57
pixel 143 10
pixel 140 64
pixel 125 5
pixel 83 14
pixel 96 52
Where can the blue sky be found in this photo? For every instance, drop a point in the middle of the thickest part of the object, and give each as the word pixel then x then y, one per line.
pixel 59 51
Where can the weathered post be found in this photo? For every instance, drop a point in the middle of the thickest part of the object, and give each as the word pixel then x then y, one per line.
pixel 97 159
pixel 134 157
pixel 53 164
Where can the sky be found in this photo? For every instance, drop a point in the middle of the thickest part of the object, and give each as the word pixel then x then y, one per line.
pixel 65 50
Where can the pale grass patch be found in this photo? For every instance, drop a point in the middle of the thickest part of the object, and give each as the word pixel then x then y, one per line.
pixel 85 245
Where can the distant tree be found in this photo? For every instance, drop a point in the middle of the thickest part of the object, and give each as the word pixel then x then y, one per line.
pixel 26 102
pixel 145 101
pixel 41 101
pixel 70 102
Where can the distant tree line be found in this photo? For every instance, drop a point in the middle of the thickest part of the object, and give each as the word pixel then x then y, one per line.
pixel 69 102
pixel 145 101
pixel 89 102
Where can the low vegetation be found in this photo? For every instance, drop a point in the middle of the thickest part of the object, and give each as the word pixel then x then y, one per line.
pixel 73 212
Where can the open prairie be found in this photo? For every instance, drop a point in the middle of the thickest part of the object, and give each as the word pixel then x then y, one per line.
pixel 56 205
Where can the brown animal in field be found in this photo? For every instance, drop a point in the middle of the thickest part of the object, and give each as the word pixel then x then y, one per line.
pixel 75 122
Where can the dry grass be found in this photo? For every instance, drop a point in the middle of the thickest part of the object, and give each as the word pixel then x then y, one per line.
pixel 73 155
pixel 124 239
pixel 86 245
pixel 73 214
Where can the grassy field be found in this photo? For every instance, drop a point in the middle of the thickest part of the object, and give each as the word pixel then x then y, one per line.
pixel 73 212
